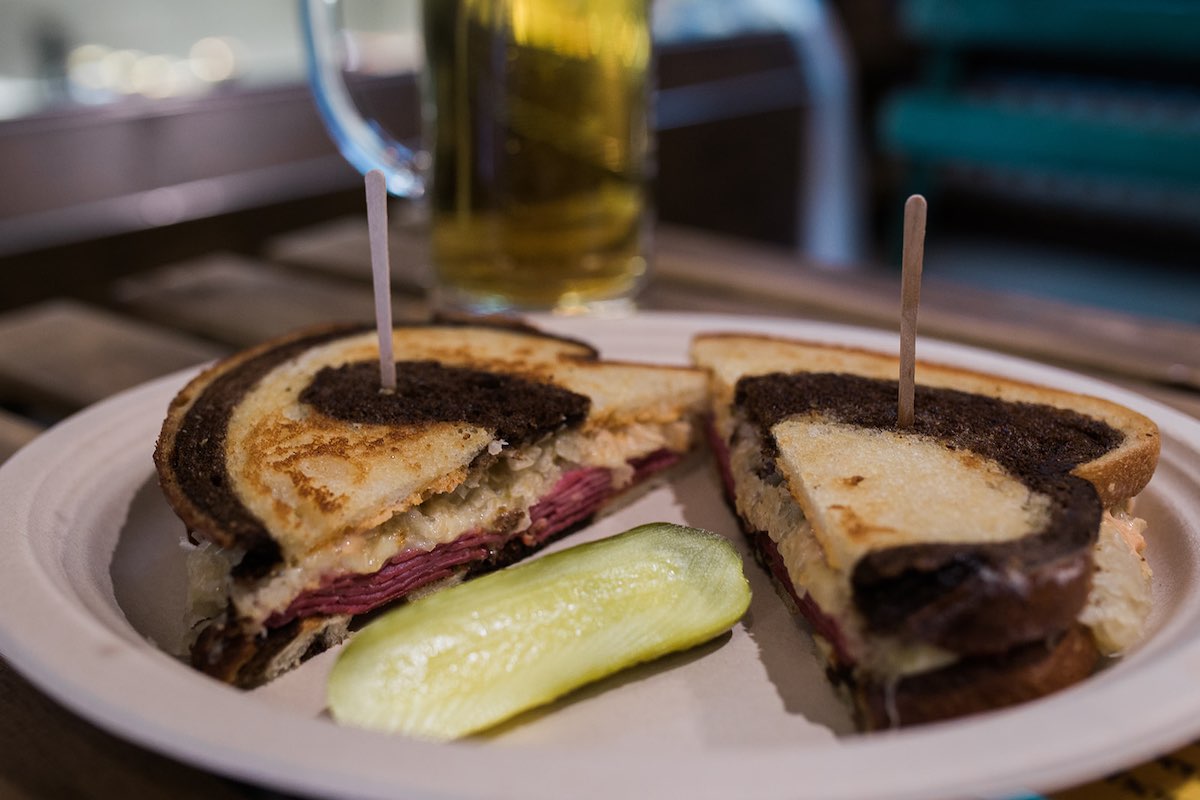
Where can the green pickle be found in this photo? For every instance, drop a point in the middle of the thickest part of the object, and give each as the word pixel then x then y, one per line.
pixel 469 657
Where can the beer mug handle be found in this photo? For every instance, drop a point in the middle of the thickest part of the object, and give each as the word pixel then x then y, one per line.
pixel 362 142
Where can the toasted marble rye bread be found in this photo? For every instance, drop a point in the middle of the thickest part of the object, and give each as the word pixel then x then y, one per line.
pixel 312 496
pixel 982 557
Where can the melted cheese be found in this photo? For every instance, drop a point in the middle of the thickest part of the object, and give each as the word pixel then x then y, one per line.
pixel 1119 604
pixel 514 482
pixel 772 508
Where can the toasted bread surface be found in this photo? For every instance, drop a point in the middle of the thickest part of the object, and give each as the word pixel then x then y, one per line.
pixel 285 458
pixel 879 488
pixel 308 478
pixel 956 556
pixel 1117 475
pixel 973 686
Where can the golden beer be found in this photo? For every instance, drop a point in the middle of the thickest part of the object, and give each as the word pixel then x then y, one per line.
pixel 537 124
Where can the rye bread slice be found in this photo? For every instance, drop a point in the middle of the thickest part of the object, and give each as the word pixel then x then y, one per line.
pixel 971 685
pixel 966 531
pixel 1007 607
pixel 286 455
pixel 1119 474
pixel 975 685
pixel 197 447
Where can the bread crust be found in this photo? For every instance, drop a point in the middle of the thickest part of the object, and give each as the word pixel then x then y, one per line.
pixel 1117 475
pixel 976 685
pixel 172 465
pixel 975 600
pixel 209 474
pixel 992 680
pixel 190 477
pixel 1006 608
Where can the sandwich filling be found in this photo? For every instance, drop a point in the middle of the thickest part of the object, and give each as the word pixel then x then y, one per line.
pixel 898 581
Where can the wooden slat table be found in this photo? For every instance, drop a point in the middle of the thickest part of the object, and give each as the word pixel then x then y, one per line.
pixel 59 357
pixel 15 432
pixel 241 301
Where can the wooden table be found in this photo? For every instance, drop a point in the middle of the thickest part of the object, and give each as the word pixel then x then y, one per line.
pixel 56 358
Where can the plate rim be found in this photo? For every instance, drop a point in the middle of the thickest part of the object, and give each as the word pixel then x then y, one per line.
pixel 136 723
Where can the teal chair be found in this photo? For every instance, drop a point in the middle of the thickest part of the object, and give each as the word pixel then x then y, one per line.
pixel 1103 134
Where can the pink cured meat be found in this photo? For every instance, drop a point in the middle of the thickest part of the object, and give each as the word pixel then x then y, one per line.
pixel 576 496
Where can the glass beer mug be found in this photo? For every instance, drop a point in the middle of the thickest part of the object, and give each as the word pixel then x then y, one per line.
pixel 535 125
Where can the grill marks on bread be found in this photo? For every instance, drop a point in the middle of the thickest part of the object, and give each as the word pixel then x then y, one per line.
pixel 294 449
pixel 966 596
pixel 193 451
pixel 195 454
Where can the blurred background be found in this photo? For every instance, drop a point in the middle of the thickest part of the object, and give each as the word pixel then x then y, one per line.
pixel 1058 142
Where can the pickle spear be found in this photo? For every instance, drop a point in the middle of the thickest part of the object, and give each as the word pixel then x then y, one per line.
pixel 466 658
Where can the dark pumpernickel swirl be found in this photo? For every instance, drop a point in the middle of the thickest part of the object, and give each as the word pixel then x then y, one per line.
pixel 518 409
pixel 1028 439
pixel 968 598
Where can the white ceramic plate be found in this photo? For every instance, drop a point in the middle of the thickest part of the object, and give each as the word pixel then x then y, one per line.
pixel 91 589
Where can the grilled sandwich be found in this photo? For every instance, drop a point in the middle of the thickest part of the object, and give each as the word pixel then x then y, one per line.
pixel 985 556
pixel 311 496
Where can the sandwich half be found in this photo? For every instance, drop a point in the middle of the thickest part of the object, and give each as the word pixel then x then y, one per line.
pixel 984 556
pixel 312 496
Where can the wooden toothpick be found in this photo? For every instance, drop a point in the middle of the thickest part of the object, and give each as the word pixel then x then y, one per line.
pixel 377 229
pixel 910 297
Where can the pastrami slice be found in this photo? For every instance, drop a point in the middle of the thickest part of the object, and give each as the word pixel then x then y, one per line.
pixel 576 497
